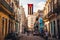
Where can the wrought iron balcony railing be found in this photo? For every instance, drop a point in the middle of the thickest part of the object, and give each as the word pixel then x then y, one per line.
pixel 45 17
pixel 50 13
pixel 6 5
pixel 56 7
pixel 56 10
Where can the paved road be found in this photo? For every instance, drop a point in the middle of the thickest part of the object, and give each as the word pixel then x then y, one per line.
pixel 31 37
pixel 25 37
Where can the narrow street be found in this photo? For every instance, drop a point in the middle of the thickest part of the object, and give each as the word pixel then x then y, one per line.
pixel 29 19
pixel 31 37
pixel 25 37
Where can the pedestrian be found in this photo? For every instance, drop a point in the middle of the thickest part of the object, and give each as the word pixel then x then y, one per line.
pixel 42 33
pixel 46 35
pixel 28 32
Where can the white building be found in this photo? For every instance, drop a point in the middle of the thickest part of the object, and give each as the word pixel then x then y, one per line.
pixel 23 19
pixel 31 21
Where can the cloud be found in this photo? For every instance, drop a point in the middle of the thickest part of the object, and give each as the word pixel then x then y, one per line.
pixel 38 4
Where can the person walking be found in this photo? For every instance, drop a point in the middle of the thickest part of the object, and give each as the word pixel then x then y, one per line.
pixel 46 35
pixel 36 27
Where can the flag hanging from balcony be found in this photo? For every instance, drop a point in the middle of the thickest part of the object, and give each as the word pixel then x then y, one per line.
pixel 30 9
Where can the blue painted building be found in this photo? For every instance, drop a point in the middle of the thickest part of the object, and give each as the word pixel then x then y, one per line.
pixel 41 24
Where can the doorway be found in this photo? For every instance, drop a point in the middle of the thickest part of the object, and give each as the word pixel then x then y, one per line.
pixel 58 28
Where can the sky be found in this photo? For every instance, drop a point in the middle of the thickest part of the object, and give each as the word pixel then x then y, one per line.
pixel 37 5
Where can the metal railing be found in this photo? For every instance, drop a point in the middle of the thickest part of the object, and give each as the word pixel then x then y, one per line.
pixel 56 7
pixel 6 5
pixel 50 13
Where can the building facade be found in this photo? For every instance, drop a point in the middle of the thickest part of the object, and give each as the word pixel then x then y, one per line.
pixel 23 20
pixel 8 13
pixel 17 15
pixel 31 21
pixel 30 17
pixel 45 16
pixel 6 18
pixel 52 16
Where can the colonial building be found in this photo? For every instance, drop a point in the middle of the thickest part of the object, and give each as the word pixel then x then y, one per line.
pixel 16 11
pixel 6 18
pixel 40 13
pixel 8 9
pixel 52 17
pixel 35 14
pixel 56 11
pixel 23 19
pixel 30 9
pixel 30 17
pixel 31 21
pixel 45 16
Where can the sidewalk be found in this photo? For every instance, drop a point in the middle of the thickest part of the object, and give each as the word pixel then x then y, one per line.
pixel 53 38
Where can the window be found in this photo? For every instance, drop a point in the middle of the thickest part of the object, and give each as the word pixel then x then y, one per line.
pixel 59 2
pixel 52 7
pixel 51 28
pixel 3 26
pixel 54 28
pixel 58 26
pixel 55 1
pixel 9 27
pixel 48 8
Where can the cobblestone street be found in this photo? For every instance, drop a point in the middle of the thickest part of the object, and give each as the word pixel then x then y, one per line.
pixel 31 38
pixel 29 19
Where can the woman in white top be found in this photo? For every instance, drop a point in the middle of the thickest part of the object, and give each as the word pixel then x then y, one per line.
pixel 46 35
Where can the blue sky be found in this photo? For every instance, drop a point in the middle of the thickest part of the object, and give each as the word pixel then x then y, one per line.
pixel 37 4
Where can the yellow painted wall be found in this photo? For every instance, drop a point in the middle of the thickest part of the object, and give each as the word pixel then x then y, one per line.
pixel 1 16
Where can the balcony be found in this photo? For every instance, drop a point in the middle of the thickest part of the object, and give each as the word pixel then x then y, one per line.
pixel 56 10
pixel 50 13
pixel 45 17
pixel 16 2
pixel 56 7
pixel 6 5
